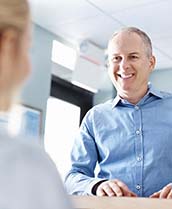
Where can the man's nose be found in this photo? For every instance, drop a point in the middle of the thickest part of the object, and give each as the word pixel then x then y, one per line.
pixel 124 64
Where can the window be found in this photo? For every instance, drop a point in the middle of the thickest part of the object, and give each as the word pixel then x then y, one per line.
pixel 62 123
pixel 22 120
pixel 64 55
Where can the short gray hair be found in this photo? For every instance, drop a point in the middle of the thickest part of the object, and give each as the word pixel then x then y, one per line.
pixel 142 34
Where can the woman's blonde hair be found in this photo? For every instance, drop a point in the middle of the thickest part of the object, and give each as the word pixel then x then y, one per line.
pixel 13 14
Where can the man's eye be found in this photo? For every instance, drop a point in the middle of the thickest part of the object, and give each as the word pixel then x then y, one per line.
pixel 116 59
pixel 134 57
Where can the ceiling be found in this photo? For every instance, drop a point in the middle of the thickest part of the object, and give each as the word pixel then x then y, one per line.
pixel 96 20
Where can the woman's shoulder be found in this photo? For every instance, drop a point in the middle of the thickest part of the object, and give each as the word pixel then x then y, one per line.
pixel 24 152
pixel 30 170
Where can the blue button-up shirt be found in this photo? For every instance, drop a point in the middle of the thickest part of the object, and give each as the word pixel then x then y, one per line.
pixel 132 143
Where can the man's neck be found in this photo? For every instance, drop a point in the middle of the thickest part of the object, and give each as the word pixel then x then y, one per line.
pixel 134 97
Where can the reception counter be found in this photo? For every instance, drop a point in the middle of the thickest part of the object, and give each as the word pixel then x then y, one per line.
pixel 93 202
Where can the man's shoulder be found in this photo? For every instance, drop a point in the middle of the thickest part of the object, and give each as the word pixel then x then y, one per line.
pixel 159 93
pixel 99 110
pixel 107 105
pixel 166 95
pixel 23 150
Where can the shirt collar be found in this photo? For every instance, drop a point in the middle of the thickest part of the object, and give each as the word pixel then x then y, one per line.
pixel 151 91
pixel 116 100
pixel 154 91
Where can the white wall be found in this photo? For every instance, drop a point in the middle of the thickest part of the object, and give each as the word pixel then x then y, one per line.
pixel 162 79
pixel 37 88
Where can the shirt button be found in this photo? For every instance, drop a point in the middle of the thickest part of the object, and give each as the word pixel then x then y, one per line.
pixel 137 107
pixel 138 187
pixel 139 158
pixel 137 132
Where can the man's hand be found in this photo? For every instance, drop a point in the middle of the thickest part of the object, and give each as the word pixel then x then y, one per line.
pixel 114 188
pixel 165 192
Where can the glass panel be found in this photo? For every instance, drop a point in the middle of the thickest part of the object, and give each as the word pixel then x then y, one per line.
pixel 23 121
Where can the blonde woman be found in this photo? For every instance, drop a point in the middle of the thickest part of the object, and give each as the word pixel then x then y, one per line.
pixel 28 178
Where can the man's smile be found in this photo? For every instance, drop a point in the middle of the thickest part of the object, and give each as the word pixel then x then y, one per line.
pixel 125 76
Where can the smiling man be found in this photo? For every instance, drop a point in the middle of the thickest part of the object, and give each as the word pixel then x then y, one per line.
pixel 129 137
pixel 130 63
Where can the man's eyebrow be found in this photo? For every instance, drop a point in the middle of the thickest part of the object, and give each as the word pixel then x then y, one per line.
pixel 118 54
pixel 134 53
pixel 115 54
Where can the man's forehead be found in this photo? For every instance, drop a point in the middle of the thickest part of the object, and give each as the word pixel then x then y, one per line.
pixel 125 42
pixel 124 37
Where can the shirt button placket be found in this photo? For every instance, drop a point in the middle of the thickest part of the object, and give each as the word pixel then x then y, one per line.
pixel 137 107
pixel 138 145
pixel 138 132
pixel 138 187
pixel 139 158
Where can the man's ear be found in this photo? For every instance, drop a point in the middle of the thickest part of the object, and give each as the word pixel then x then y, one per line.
pixel 152 62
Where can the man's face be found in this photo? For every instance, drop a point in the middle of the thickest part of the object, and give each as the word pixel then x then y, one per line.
pixel 129 63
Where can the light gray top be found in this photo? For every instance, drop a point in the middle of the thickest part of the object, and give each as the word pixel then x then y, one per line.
pixel 28 177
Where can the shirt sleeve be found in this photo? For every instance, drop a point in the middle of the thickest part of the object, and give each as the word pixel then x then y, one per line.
pixel 84 156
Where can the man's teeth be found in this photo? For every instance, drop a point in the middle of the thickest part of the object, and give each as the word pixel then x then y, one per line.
pixel 126 76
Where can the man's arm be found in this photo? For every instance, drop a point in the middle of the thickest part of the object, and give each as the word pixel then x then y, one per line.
pixel 81 179
pixel 80 184
pixel 84 156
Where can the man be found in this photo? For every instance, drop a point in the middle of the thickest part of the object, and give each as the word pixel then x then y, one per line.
pixel 130 137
